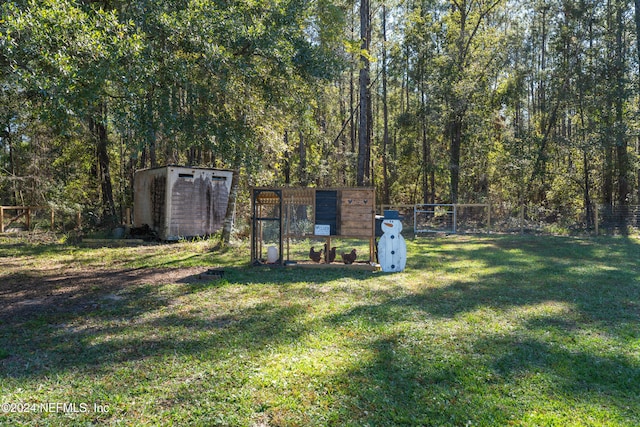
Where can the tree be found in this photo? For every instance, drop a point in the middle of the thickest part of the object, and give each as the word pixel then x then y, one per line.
pixel 68 58
pixel 364 122
pixel 470 61
pixel 472 100
pixel 385 113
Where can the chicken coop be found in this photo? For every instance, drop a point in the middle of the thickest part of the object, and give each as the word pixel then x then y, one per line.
pixel 313 226
pixel 180 202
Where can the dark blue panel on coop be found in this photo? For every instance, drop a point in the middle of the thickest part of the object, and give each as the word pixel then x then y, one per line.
pixel 379 219
pixel 327 209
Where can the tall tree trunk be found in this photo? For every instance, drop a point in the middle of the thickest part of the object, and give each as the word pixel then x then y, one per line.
pixel 303 175
pixel 406 91
pixel 587 186
pixel 607 185
pixel 340 143
pixel 352 103
pixel 590 218
pixel 227 225
pixel 151 131
pixel 609 164
pixel 542 83
pixel 99 129
pixel 455 135
pixel 287 159
pixel 385 113
pixel 637 21
pixel 352 96
pixel 426 154
pixel 621 142
pixel 12 166
pixel 364 132
pixel 428 173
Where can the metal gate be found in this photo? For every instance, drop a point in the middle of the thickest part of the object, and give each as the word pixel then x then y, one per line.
pixel 435 218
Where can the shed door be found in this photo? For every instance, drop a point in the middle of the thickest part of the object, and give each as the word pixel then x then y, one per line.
pixel 198 205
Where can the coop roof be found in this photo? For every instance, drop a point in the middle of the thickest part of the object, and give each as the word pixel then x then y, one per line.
pixel 295 195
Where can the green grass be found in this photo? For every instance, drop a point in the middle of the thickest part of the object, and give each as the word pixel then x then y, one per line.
pixel 482 331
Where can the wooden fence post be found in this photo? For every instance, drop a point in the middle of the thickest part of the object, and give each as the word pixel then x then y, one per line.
pixel 1 219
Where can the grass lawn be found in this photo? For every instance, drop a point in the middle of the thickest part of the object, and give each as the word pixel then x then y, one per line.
pixel 478 331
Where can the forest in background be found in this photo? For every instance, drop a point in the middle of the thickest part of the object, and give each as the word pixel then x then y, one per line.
pixel 448 101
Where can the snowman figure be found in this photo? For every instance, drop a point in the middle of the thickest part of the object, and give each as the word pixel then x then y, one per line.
pixel 392 250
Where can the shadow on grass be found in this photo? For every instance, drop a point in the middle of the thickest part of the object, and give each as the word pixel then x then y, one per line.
pixel 491 379
pixel 10 249
pixel 290 275
pixel 68 316
pixel 509 379
pixel 100 327
pixel 98 321
pixel 44 293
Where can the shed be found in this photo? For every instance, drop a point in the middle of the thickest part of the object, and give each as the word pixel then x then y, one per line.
pixel 180 202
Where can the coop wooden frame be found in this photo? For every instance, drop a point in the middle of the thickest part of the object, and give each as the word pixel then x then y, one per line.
pixel 353 217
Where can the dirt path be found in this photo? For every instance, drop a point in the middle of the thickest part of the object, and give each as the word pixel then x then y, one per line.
pixel 29 292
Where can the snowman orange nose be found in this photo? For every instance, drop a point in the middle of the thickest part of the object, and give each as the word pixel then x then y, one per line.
pixel 388 224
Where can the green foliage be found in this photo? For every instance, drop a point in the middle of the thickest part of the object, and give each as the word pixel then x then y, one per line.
pixel 62 53
pixel 525 91
pixel 181 82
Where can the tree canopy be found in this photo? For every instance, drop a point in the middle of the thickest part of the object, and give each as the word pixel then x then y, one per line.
pixel 468 101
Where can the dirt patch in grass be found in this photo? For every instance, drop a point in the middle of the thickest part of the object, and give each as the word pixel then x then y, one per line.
pixel 514 330
pixel 28 294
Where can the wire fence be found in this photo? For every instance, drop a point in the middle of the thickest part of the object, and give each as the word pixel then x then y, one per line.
pixel 38 218
pixel 617 219
pixel 423 220
pixel 417 220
